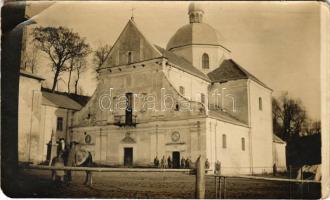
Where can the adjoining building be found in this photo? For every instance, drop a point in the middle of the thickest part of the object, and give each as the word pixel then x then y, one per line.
pixel 187 100
pixel 279 149
pixel 41 115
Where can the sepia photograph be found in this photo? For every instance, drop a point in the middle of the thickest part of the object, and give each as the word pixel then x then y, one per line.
pixel 165 100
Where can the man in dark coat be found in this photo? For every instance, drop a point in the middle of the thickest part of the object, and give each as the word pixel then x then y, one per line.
pixel 169 162
pixel 156 162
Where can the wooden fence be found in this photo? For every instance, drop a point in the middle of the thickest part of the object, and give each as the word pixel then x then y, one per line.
pixel 221 191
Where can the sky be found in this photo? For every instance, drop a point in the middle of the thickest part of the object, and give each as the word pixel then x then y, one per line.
pixel 278 42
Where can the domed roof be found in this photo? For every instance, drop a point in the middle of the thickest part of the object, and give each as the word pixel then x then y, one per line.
pixel 196 34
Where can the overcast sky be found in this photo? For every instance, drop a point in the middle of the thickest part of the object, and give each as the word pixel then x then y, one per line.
pixel 278 42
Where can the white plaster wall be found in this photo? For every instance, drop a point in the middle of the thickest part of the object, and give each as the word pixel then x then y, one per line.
pixel 233 159
pixel 48 125
pixel 261 127
pixel 216 56
pixel 193 85
pixel 107 146
pixel 279 156
pixel 28 115
pixel 194 55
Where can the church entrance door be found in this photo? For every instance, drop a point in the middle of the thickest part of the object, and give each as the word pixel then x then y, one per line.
pixel 128 157
pixel 176 159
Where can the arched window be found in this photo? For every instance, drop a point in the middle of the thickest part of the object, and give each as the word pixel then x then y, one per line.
pixel 129 57
pixel 177 107
pixel 243 144
pixel 260 103
pixel 224 141
pixel 205 61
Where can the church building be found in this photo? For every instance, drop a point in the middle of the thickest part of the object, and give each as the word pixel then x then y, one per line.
pixel 187 100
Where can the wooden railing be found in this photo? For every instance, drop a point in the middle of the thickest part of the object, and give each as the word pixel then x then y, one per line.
pixel 199 173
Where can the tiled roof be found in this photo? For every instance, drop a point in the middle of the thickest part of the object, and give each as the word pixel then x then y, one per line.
pixel 182 63
pixel 81 99
pixel 230 70
pixel 59 100
pixel 224 116
pixel 277 139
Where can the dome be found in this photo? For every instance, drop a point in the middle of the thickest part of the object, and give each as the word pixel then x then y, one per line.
pixel 196 34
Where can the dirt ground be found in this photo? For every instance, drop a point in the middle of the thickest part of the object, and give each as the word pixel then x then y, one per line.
pixel 37 183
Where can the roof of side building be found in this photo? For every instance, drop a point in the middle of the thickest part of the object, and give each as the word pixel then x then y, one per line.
pixel 277 139
pixel 59 100
pixel 229 70
pixel 224 116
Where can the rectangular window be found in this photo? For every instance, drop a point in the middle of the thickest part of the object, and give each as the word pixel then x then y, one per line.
pixel 224 141
pixel 59 125
pixel 260 103
pixel 243 144
pixel 203 98
pixel 181 89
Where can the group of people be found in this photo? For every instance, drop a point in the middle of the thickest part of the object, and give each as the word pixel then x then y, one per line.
pixel 168 163
pixel 185 163
pixel 69 156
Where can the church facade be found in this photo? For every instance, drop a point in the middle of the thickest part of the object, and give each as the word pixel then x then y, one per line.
pixel 187 100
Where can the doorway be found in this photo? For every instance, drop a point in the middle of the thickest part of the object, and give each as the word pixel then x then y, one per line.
pixel 176 159
pixel 128 157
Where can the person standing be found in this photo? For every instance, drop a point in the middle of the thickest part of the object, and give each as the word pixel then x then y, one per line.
pixel 169 162
pixel 207 164
pixel 162 162
pixel 182 163
pixel 156 162
pixel 71 160
pixel 274 169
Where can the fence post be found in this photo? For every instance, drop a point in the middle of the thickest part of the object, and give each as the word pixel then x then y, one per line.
pixel 200 178
pixel 89 178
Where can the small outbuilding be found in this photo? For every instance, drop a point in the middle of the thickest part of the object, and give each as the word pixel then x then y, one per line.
pixel 279 153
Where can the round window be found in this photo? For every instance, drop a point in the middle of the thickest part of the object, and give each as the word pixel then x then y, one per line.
pixel 175 136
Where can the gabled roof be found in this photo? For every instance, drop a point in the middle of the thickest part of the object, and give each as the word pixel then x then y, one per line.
pixel 224 116
pixel 277 139
pixel 182 63
pixel 229 70
pixel 131 39
pixel 59 100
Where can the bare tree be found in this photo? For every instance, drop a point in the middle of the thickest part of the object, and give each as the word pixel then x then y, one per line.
pixel 73 65
pixel 312 127
pixel 101 54
pixel 61 45
pixel 29 58
pixel 289 116
pixel 80 68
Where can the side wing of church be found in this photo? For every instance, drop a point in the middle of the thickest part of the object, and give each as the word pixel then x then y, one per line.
pixel 187 100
